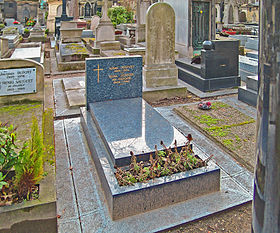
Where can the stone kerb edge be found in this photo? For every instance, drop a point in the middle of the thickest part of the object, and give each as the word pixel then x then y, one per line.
pixel 24 63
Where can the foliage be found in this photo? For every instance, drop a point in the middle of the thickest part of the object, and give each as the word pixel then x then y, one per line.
pixel 26 30
pixel 8 155
pixel 30 169
pixel 2 182
pixel 47 31
pixel 98 13
pixel 164 163
pixel 120 15
pixel 2 25
pixel 46 15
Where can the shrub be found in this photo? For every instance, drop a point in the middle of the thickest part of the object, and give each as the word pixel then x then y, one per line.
pixel 47 31
pixel 29 170
pixel 8 156
pixel 120 15
pixel 2 26
pixel 26 30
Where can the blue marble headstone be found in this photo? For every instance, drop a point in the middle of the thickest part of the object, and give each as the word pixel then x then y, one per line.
pixel 113 78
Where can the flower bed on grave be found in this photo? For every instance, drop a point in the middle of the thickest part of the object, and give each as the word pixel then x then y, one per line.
pixel 161 163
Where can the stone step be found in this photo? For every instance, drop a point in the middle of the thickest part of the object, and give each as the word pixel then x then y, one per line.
pixel 211 84
pixel 244 74
pixel 252 82
pixel 252 44
pixel 248 64
pixel 247 96
pixel 253 54
pixel 185 63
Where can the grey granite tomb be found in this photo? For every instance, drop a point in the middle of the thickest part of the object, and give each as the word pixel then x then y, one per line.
pixel 118 115
pixel 218 68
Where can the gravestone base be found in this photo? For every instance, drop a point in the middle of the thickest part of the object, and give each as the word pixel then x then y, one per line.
pixel 140 33
pixel 161 75
pixel 153 94
pixel 109 45
pixel 66 66
pixel 113 53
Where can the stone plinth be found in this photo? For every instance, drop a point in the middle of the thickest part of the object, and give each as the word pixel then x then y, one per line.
pixel 4 47
pixel 73 52
pixel 109 45
pixel 160 68
pixel 140 33
pixel 71 35
pixel 104 32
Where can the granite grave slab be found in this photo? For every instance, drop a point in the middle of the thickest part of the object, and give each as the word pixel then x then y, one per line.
pixel 132 125
pixel 113 78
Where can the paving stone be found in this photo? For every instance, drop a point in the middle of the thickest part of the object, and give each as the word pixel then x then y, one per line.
pixel 76 98
pixel 74 83
pixel 71 226
pixel 66 201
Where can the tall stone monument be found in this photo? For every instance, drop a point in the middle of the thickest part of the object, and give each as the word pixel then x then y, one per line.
pixel 142 7
pixel 160 69
pixel 105 30
pixel 266 204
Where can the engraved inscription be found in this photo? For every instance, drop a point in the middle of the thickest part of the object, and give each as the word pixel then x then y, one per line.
pixel 17 81
pixel 121 75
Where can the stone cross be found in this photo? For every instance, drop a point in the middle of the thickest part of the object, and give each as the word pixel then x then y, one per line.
pixel 105 11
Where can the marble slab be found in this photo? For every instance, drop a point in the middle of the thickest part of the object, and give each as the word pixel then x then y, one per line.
pixel 74 83
pixel 132 125
pixel 33 53
pixel 113 78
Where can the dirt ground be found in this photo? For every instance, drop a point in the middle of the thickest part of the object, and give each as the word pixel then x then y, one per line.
pixel 235 220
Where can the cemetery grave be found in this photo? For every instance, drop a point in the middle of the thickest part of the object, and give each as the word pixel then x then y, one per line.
pixel 227 126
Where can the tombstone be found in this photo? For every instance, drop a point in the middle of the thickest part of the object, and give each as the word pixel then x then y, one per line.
pixel 20 80
pixel 223 55
pixel 4 47
pixel 94 22
pixel 11 33
pixel 105 31
pixel 141 10
pixel 266 207
pixel 29 51
pixel 160 69
pixel 230 15
pixel 37 33
pixel 124 122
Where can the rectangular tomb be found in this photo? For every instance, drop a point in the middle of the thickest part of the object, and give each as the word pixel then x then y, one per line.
pixel 124 201
pixel 132 125
pixel 116 121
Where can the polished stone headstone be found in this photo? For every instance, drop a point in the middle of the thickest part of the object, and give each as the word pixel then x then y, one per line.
pixel 132 125
pixel 113 78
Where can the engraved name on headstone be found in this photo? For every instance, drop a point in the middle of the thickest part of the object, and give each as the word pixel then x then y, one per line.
pixel 113 78
pixel 17 81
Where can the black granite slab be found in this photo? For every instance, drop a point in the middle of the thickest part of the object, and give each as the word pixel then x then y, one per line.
pixel 113 78
pixel 132 125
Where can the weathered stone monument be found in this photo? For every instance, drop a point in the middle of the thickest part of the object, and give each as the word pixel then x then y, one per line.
pixel 21 79
pixel 105 32
pixel 141 10
pixel 266 204
pixel 11 33
pixel 72 51
pixel 94 22
pixel 116 114
pixel 160 69
pixel 4 47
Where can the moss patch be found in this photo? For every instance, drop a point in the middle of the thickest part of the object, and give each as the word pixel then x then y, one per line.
pixel 227 126
pixel 20 115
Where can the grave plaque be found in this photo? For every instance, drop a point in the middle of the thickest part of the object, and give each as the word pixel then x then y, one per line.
pixel 113 78
pixel 17 81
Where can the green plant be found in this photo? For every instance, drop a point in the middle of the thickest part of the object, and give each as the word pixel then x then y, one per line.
pixel 29 171
pixel 2 25
pixel 26 30
pixel 46 15
pixel 47 31
pixel 120 15
pixel 2 182
pixel 162 163
pixel 98 13
pixel 8 155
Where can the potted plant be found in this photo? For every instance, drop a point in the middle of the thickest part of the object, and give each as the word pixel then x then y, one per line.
pixel 26 32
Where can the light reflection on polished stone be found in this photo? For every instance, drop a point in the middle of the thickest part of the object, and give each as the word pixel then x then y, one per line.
pixel 133 125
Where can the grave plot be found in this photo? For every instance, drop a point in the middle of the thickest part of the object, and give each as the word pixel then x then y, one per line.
pixel 227 126
pixel 116 112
